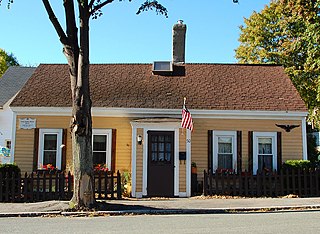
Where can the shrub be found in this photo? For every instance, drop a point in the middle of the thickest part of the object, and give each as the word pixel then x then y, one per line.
pixel 295 164
pixel 9 168
pixel 126 183
pixel 313 152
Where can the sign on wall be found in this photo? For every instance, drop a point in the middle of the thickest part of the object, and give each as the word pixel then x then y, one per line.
pixel 27 123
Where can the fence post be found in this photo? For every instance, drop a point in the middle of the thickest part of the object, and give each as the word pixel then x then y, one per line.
pixel 311 175
pixel 118 185
pixel 240 183
pixel 264 193
pixel 56 184
pixel 270 184
pixel 293 173
pixel 281 183
pixel 288 182
pixel 258 177
pixel 210 175
pixel 50 185
pixel 111 184
pixel 246 183
pixel 6 190
pixel 204 185
pixel 38 187
pixel 276 183
pixel 223 177
pixel 31 187
pixel 234 183
pixel 25 187
pixel 106 184
pixel 12 186
pixel 305 182
pixel 299 182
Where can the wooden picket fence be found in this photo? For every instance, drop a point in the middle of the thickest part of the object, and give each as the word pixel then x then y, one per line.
pixel 44 186
pixel 303 183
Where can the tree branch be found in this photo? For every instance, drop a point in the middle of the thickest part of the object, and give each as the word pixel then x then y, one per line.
pixel 99 6
pixel 91 3
pixel 62 36
pixel 72 50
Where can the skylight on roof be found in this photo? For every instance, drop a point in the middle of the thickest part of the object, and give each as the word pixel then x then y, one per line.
pixel 162 67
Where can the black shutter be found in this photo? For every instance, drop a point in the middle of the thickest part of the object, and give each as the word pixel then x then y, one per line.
pixel 250 151
pixel 113 149
pixel 210 153
pixel 279 151
pixel 239 151
pixel 35 149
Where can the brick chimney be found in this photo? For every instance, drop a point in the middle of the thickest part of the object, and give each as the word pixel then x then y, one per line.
pixel 178 42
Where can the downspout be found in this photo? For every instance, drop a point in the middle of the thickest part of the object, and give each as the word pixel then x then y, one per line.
pixel 304 139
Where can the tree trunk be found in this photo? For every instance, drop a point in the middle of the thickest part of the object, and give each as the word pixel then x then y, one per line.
pixel 81 125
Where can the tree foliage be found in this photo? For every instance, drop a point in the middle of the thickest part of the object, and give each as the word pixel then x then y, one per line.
pixel 286 32
pixel 6 60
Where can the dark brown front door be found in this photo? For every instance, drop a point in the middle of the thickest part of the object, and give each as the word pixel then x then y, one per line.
pixel 160 163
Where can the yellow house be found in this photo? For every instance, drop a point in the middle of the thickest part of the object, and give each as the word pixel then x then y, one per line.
pixel 242 116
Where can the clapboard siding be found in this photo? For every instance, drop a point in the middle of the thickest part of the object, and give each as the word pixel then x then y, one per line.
pixel 139 163
pixel 24 139
pixel 291 142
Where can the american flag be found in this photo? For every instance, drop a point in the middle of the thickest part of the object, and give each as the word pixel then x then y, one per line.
pixel 186 118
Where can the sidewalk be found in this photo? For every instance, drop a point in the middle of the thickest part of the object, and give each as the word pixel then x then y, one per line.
pixel 192 205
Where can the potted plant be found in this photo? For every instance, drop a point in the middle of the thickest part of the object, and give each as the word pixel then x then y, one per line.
pixel 193 168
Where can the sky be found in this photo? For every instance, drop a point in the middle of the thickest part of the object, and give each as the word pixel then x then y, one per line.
pixel 121 36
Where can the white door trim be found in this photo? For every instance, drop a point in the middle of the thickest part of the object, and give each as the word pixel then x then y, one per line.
pixel 164 126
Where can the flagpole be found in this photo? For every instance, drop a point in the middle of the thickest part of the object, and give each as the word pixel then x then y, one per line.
pixel 184 101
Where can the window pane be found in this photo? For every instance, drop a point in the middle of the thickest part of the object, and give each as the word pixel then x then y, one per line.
pixel 161 156
pixel 99 142
pixel 49 157
pixel 99 158
pixel 168 156
pixel 265 162
pixel 224 139
pixel 154 157
pixel 154 147
pixel 154 139
pixel 161 147
pixel 265 145
pixel 225 161
pixel 225 145
pixel 224 148
pixel 265 140
pixel 50 141
pixel 161 139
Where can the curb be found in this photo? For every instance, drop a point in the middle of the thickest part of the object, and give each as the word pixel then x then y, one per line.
pixel 164 211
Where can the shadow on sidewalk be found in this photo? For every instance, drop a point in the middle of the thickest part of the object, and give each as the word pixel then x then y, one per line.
pixel 105 206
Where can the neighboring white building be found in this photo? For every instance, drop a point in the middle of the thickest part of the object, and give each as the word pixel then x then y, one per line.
pixel 10 84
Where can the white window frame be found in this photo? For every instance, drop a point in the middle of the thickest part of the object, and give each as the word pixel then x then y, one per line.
pixel 256 136
pixel 215 135
pixel 59 133
pixel 108 133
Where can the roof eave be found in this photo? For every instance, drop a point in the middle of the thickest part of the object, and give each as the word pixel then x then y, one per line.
pixel 148 112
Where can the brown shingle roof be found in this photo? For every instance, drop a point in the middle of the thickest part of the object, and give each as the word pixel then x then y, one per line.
pixel 206 86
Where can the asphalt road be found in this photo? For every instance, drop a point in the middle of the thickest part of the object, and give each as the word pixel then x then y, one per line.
pixel 282 222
